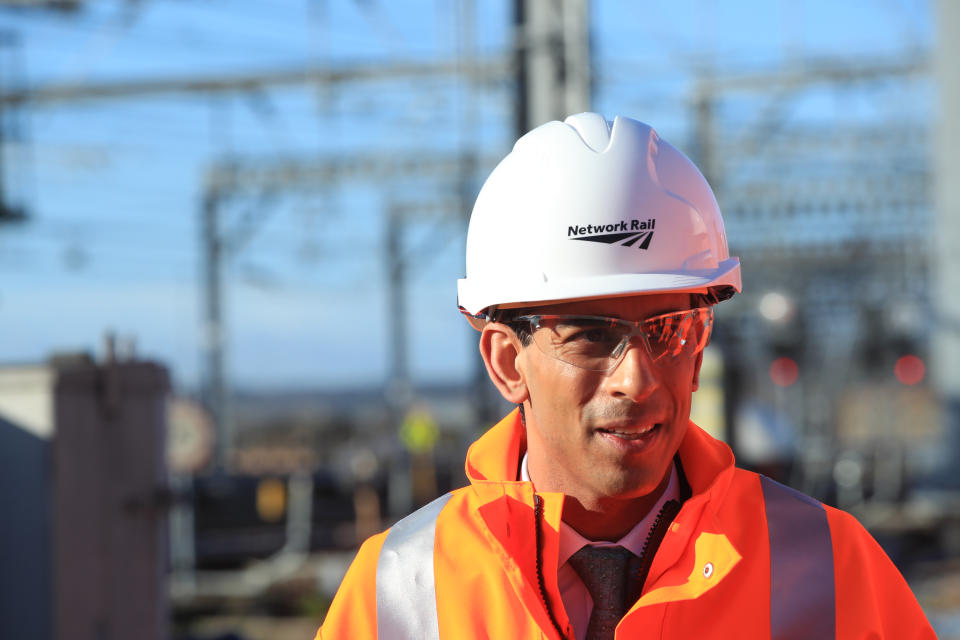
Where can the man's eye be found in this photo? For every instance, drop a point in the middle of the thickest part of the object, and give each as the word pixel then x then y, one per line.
pixel 594 335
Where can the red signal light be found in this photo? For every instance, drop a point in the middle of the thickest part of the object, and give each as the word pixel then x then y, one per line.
pixel 909 369
pixel 784 371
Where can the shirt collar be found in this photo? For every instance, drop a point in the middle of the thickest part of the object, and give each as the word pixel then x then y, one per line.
pixel 634 540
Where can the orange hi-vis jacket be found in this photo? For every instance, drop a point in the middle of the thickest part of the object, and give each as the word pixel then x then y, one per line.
pixel 743 558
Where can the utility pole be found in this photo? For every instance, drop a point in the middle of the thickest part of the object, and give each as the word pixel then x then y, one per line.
pixel 552 63
pixel 398 388
pixel 5 41
pixel 398 381
pixel 214 383
pixel 9 43
pixel 946 272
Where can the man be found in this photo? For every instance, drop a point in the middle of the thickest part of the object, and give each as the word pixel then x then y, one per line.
pixel 596 509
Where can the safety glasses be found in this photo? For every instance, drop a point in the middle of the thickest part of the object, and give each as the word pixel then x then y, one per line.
pixel 598 343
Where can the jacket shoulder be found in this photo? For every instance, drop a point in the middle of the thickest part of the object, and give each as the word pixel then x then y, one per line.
pixel 353 612
pixel 872 595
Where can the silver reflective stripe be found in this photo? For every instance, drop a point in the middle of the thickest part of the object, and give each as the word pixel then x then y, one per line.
pixel 802 602
pixel 406 597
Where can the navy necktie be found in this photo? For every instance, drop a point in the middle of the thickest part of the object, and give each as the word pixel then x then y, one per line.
pixel 606 573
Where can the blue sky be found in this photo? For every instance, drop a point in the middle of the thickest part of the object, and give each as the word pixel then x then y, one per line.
pixel 114 186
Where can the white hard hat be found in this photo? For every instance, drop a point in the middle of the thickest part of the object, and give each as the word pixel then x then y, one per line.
pixel 588 209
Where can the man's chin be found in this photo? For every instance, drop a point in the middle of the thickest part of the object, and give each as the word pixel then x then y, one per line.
pixel 630 488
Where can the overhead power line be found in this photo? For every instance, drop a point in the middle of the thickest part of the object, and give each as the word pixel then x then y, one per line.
pixel 819 71
pixel 477 70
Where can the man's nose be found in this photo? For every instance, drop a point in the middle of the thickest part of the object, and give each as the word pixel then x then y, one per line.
pixel 635 377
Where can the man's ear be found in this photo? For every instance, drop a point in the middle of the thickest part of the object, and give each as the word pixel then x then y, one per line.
pixel 501 350
pixel 696 371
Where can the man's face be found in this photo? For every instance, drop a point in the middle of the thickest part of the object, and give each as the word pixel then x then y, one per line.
pixel 600 435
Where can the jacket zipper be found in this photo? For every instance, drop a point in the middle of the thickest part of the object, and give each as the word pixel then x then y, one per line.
pixel 537 517
pixel 657 532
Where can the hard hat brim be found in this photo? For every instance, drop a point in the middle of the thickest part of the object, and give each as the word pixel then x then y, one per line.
pixel 475 297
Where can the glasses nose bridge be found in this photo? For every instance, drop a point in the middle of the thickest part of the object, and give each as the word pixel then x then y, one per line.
pixel 626 343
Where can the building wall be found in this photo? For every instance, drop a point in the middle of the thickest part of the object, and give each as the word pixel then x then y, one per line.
pixel 25 502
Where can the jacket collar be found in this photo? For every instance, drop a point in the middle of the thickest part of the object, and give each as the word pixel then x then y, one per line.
pixel 496 455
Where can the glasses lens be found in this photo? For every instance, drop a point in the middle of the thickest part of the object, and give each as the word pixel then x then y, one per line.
pixel 583 341
pixel 677 334
pixel 597 343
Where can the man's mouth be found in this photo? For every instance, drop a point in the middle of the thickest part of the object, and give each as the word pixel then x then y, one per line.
pixel 632 433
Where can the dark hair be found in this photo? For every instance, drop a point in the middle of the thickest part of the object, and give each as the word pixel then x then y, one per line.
pixel 714 295
pixel 519 327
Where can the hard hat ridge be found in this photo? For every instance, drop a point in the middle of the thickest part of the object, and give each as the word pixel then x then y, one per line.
pixel 593 129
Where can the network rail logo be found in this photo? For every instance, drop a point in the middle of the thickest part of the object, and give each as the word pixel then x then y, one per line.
pixel 626 233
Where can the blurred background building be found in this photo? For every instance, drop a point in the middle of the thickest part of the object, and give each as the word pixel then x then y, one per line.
pixel 266 204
